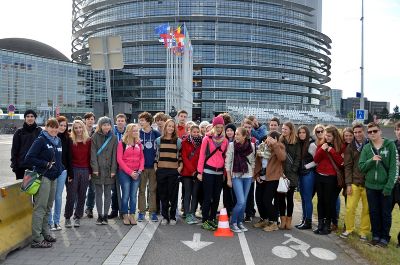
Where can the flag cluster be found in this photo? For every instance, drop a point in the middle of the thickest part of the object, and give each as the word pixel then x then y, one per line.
pixel 174 39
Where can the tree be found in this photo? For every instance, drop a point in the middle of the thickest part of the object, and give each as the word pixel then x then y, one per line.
pixel 396 113
pixel 384 113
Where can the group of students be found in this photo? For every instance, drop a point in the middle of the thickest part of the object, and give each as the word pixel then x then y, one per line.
pixel 106 165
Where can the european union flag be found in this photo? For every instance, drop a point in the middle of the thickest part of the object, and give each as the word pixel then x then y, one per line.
pixel 162 29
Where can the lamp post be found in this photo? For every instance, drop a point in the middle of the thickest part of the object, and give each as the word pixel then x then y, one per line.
pixel 362 56
pixel 173 112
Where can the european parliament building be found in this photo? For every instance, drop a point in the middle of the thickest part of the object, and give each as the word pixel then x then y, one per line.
pixel 258 53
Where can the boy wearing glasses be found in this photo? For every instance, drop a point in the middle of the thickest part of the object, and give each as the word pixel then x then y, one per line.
pixel 378 161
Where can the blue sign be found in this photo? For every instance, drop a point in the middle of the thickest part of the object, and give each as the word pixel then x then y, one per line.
pixel 360 114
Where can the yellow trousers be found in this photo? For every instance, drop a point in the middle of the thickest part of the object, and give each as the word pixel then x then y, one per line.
pixel 358 193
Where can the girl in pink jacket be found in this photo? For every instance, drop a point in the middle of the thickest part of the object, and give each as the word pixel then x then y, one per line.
pixel 130 160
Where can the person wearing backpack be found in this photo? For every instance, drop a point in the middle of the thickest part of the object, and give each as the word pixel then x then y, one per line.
pixel 168 165
pixel 104 166
pixel 378 161
pixel 211 169
pixel 130 159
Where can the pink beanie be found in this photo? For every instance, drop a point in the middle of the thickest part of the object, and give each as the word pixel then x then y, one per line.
pixel 218 120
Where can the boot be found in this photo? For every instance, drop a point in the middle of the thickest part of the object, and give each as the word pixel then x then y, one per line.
pixel 283 222
pixel 126 219
pixel 326 227
pixel 319 227
pixel 288 223
pixel 301 223
pixel 131 218
pixel 306 225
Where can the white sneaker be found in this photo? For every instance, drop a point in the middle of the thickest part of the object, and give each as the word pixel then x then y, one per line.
pixel 172 222
pixel 164 222
pixel 242 227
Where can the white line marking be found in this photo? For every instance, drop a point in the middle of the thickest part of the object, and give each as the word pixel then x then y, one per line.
pixel 248 258
pixel 196 244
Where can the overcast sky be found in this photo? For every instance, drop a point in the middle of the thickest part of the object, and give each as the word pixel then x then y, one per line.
pixel 49 21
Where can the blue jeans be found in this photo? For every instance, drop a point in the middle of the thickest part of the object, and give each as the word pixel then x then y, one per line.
pixel 241 187
pixel 54 215
pixel 129 188
pixel 380 214
pixel 306 187
pixel 91 195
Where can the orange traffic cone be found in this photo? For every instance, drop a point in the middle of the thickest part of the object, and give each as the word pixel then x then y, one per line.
pixel 223 224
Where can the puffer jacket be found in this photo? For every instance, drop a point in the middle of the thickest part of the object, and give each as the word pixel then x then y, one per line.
pixel 106 162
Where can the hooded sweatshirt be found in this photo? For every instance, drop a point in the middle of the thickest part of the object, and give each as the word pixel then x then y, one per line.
pixel 379 175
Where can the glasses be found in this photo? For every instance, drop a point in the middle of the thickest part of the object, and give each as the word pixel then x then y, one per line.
pixel 373 131
pixel 319 131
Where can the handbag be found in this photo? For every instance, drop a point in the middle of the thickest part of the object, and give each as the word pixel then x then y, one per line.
pixel 339 172
pixel 283 185
pixel 31 182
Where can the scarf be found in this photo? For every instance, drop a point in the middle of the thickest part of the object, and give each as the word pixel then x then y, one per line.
pixel 218 139
pixel 241 151
pixel 53 140
pixel 196 141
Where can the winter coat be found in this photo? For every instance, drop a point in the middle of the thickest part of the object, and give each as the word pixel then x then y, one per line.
pixel 380 175
pixel 22 141
pixel 106 162
pixel 41 153
pixel 352 171
pixel 131 159
pixel 292 162
pixel 324 165
pixel 230 159
pixel 275 164
pixel 190 157
pixel 215 161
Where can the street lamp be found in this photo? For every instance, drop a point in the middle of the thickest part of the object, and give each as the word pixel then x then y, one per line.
pixel 173 112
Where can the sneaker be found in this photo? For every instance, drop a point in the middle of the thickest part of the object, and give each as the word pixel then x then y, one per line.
pixel 77 223
pixel 363 238
pixel 207 226
pixel 194 219
pixel 189 219
pixel 261 224
pixel 52 227
pixel 50 239
pixel 57 227
pixel 154 217
pixel 68 223
pixel 172 222
pixel 104 221
pixel 272 226
pixel 248 219
pixel 242 227
pixel 140 217
pixel 345 234
pixel 99 220
pixel 113 214
pixel 213 223
pixel 374 241
pixel 89 213
pixel 42 244
pixel 234 228
pixel 382 243
pixel 164 221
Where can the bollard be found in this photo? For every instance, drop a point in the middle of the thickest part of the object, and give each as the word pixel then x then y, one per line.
pixel 15 218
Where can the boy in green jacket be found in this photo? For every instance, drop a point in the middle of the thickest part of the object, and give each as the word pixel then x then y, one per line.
pixel 378 162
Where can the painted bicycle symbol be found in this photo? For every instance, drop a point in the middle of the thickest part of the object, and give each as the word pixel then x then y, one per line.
pixel 290 250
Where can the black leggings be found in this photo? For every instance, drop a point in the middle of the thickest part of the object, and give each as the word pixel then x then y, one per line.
pixel 260 189
pixel 286 203
pixel 269 195
pixel 212 186
pixel 327 193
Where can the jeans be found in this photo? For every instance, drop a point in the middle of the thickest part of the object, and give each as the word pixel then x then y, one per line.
pixel 241 187
pixel 212 186
pixel 359 192
pixel 54 217
pixel 76 193
pixel 91 194
pixel 167 180
pixel 114 196
pixel 43 202
pixel 129 188
pixel 148 177
pixel 306 187
pixel 191 186
pixel 380 214
pixel 106 190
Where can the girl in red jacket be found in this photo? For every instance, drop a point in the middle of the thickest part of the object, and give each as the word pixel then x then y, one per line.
pixel 326 177
pixel 190 156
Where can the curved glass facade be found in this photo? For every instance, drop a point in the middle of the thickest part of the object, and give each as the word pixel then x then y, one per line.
pixel 263 53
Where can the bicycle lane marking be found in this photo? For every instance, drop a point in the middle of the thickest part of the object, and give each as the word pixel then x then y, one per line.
pixel 248 258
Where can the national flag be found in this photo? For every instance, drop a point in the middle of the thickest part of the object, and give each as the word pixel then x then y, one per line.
pixel 162 29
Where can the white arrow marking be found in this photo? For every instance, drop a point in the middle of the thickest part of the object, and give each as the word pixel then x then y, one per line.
pixel 196 244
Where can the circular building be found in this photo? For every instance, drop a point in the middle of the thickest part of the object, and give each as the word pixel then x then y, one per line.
pixel 267 54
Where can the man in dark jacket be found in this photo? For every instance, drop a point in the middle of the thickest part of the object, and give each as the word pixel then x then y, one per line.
pixel 22 141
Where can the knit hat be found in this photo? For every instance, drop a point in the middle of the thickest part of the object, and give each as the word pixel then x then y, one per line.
pixel 204 123
pixel 230 126
pixel 29 111
pixel 218 120
pixel 103 120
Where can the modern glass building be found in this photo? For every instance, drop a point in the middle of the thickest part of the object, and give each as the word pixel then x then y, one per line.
pixel 36 76
pixel 261 53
